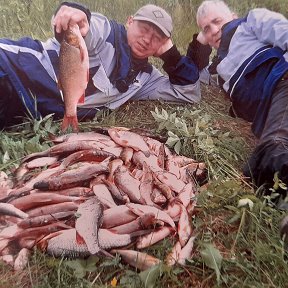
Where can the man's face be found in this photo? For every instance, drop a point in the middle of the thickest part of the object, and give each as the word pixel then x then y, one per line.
pixel 212 23
pixel 144 38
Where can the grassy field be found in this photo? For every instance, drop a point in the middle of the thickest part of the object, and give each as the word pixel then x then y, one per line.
pixel 245 246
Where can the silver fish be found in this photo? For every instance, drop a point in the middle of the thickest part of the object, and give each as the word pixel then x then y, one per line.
pixel 11 210
pixel 87 225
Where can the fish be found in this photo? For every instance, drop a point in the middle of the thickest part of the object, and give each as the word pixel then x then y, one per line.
pixel 117 216
pixel 186 251
pixel 71 178
pixel 63 149
pixel 142 222
pixel 83 136
pixel 153 237
pixel 10 210
pixel 173 256
pixel 117 195
pixel 113 165
pixel 171 180
pixel 41 220
pixel 184 227
pixel 89 221
pixel 40 199
pixel 66 243
pixel 126 155
pixel 92 155
pixel 73 74
pixel 103 194
pixel 140 260
pixel 187 194
pixel 21 260
pixel 53 208
pixel 125 138
pixel 127 183
pixel 146 185
pixel 41 162
pixel 152 161
pixel 144 209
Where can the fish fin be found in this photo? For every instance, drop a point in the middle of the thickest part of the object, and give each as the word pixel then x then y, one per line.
pixel 82 98
pixel 70 121
pixel 79 239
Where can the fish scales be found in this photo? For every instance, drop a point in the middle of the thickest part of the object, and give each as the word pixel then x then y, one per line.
pixel 72 178
pixel 87 225
pixel 73 74
pixel 66 245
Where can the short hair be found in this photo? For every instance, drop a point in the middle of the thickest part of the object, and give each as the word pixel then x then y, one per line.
pixel 205 5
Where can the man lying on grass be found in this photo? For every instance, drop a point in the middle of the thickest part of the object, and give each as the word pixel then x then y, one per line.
pixel 118 59
pixel 251 65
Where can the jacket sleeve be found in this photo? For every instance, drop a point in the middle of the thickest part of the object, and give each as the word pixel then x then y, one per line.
pixel 199 53
pixel 180 69
pixel 269 27
pixel 159 87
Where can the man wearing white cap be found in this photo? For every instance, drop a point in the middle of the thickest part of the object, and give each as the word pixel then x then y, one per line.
pixel 118 58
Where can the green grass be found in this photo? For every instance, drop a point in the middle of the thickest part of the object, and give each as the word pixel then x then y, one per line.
pixel 247 238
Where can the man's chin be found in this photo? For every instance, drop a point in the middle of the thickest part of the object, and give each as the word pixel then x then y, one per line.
pixel 139 55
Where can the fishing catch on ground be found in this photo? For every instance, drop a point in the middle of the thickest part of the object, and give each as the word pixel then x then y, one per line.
pixel 73 74
pixel 99 194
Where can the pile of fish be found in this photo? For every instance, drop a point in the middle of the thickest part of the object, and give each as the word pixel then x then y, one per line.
pixel 94 193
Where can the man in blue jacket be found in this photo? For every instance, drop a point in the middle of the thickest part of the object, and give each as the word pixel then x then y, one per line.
pixel 119 68
pixel 251 66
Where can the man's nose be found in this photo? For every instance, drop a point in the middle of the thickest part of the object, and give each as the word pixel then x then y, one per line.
pixel 214 29
pixel 147 37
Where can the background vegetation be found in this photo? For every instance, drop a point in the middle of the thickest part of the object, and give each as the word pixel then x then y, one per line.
pixel 245 246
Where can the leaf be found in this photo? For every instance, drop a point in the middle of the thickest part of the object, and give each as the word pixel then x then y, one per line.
pixel 6 157
pixel 245 202
pixel 177 147
pixel 150 276
pixel 212 258
pixel 114 282
pixel 81 266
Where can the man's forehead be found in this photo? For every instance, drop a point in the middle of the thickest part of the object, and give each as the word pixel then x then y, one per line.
pixel 153 26
pixel 212 12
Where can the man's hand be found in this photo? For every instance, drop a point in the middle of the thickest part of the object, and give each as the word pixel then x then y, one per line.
pixel 165 47
pixel 70 16
pixel 202 39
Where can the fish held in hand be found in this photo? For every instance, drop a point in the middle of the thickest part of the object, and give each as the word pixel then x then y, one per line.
pixel 73 74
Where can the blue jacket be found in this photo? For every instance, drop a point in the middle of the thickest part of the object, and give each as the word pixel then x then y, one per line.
pixel 251 59
pixel 32 67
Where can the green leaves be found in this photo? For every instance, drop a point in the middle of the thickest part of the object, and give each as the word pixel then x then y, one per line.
pixel 81 266
pixel 192 132
pixel 212 258
pixel 150 276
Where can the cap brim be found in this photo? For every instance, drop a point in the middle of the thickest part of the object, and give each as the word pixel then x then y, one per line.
pixel 165 31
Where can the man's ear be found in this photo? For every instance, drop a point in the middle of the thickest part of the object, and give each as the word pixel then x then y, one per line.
pixel 129 20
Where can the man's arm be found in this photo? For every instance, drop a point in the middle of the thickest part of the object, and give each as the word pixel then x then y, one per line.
pixel 180 69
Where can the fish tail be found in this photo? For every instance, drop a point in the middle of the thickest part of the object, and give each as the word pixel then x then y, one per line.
pixel 70 121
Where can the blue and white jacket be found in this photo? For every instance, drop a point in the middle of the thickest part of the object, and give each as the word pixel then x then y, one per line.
pixel 251 59
pixel 32 67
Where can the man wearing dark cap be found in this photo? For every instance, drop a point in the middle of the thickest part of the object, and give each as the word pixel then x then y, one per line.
pixel 118 58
